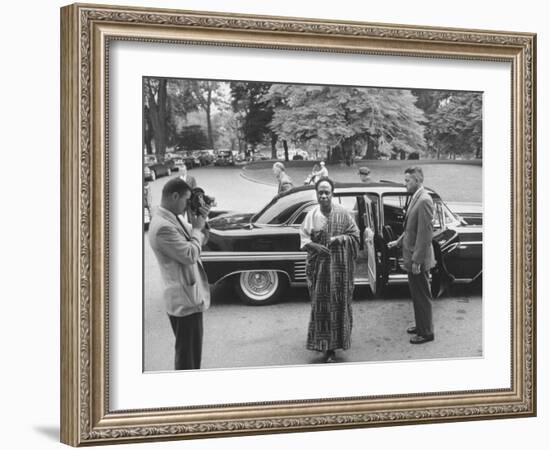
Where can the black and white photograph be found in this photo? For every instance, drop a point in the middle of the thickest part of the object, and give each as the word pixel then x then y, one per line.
pixel 291 224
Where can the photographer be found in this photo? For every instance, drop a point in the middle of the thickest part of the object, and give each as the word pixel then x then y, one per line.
pixel 177 247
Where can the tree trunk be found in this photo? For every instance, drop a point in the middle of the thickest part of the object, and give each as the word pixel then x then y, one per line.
pixel 285 146
pixel 347 151
pixel 274 139
pixel 209 118
pixel 157 110
pixel 372 146
pixel 147 132
pixel 335 155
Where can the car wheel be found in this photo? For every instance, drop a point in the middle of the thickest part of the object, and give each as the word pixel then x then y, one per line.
pixel 153 175
pixel 260 287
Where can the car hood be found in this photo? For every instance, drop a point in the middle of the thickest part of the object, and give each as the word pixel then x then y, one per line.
pixel 231 221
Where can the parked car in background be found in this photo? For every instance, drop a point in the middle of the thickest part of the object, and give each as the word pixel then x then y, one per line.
pixel 224 158
pixel 260 252
pixel 191 159
pixel 146 206
pixel 150 159
pixel 147 174
pixel 240 158
pixel 471 213
pixel 178 163
pixel 206 157
pixel 159 169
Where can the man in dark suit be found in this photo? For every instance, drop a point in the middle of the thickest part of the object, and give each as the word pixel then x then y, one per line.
pixel 418 254
pixel 177 247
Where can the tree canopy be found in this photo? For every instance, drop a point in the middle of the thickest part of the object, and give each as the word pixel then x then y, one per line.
pixel 456 126
pixel 340 116
pixel 341 121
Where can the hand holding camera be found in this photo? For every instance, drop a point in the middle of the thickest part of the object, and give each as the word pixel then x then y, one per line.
pixel 199 208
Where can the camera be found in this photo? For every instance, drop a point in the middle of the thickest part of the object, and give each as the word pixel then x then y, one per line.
pixel 198 199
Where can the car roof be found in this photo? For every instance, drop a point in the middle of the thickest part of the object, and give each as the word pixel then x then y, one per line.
pixel 380 186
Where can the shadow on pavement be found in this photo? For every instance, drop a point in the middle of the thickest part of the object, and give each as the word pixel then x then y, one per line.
pixel 224 293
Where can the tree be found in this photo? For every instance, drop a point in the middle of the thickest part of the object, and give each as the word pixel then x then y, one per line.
pixel 156 105
pixel 340 117
pixel 192 137
pixel 226 125
pixel 166 103
pixel 429 100
pixel 205 94
pixel 255 112
pixel 147 131
pixel 456 126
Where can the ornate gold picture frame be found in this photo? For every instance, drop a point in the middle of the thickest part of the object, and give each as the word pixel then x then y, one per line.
pixel 87 416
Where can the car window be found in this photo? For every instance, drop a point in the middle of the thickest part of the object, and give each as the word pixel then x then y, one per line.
pixel 302 214
pixel 394 211
pixel 349 202
pixel 448 217
pixel 438 214
pixel 395 208
pixel 281 208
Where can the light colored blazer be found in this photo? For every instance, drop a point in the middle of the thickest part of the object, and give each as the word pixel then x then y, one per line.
pixel 178 250
pixel 416 240
pixel 285 183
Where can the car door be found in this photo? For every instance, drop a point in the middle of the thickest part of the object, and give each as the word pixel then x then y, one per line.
pixel 445 244
pixel 444 241
pixel 368 241
pixel 360 207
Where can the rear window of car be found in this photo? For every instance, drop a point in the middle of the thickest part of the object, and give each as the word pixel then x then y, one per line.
pixel 280 209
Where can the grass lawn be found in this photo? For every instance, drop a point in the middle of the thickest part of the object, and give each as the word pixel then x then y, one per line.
pixel 455 182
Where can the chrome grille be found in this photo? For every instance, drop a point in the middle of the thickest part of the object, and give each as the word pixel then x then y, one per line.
pixel 300 271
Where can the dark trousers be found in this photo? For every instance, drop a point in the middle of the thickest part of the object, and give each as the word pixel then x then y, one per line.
pixel 419 285
pixel 188 332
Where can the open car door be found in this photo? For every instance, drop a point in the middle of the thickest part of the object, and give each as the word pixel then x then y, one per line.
pixel 445 243
pixel 366 259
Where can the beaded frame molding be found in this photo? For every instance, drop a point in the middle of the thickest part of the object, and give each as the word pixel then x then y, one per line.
pixel 86 33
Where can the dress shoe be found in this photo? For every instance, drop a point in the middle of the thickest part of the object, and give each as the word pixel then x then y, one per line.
pixel 422 339
pixel 330 356
pixel 411 330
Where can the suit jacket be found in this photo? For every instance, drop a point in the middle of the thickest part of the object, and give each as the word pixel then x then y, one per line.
pixel 178 249
pixel 416 240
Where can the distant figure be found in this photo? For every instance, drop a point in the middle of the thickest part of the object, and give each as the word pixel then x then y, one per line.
pixel 331 239
pixel 322 173
pixel 312 178
pixel 249 152
pixel 285 182
pixel 190 180
pixel 364 174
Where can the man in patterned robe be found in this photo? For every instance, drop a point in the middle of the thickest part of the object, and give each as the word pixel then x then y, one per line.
pixel 331 238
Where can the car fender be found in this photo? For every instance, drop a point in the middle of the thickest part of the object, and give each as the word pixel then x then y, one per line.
pixel 221 265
